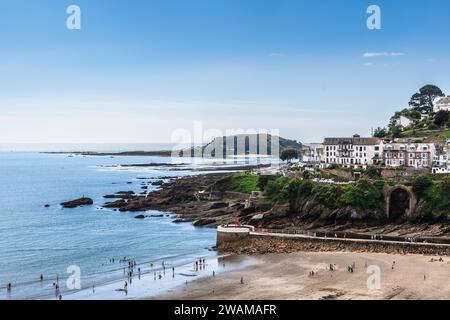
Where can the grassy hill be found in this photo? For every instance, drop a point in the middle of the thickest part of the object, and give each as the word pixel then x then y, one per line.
pixel 246 144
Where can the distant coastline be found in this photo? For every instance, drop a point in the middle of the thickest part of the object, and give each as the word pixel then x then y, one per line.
pixel 160 153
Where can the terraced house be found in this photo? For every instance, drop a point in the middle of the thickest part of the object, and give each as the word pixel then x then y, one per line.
pixel 416 155
pixel 353 152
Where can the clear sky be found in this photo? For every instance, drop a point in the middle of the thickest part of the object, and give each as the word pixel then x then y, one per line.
pixel 140 69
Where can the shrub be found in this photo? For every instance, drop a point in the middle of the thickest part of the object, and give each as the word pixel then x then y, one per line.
pixel 421 184
pixel 441 118
pixel 364 195
pixel 373 172
pixel 326 195
pixel 264 180
pixel 275 189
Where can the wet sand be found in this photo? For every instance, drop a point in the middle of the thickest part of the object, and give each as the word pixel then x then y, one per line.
pixel 286 277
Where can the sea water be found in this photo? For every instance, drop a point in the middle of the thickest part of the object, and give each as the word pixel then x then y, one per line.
pixel 35 239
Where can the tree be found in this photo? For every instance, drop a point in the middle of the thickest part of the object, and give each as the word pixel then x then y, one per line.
pixel 445 186
pixel 423 100
pixel 421 184
pixel 396 131
pixel 288 155
pixel 380 132
pixel 441 118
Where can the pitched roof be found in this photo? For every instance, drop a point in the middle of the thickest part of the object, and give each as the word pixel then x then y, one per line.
pixel 408 117
pixel 354 141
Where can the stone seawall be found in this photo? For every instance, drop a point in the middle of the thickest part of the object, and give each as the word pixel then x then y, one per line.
pixel 261 244
pixel 226 236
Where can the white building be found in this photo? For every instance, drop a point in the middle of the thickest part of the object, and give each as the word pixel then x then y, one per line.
pixel 353 152
pixel 442 104
pixel 405 121
pixel 441 159
pixel 416 155
pixel 313 153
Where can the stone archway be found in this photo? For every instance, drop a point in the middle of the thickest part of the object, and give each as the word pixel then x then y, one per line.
pixel 400 201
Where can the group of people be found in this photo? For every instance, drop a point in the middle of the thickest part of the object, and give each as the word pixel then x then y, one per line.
pixel 201 263
pixel 128 271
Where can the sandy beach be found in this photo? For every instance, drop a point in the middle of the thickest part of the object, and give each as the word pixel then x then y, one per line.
pixel 287 277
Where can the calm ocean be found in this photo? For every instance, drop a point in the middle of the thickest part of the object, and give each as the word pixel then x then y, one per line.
pixel 35 240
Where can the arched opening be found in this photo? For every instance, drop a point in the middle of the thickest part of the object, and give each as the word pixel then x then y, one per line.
pixel 399 204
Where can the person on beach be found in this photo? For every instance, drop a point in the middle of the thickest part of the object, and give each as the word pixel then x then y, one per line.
pixel 214 273
pixel 125 286
pixel 139 273
pixel 60 297
pixel 173 272
pixel 93 288
pixel 42 277
pixel 242 280
pixel 8 287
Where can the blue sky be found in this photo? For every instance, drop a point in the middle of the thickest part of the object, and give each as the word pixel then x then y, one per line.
pixel 138 70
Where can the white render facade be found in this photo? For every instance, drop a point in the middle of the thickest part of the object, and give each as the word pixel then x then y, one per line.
pixel 415 155
pixel 353 152
pixel 313 153
pixel 442 104
pixel 441 159
pixel 405 121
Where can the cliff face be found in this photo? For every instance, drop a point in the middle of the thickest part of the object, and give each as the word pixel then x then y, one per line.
pixel 281 215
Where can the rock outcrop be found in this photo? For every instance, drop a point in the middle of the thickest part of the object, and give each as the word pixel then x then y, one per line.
pixel 77 202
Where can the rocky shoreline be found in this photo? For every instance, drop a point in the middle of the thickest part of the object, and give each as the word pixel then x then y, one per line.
pixel 193 200
pixel 183 197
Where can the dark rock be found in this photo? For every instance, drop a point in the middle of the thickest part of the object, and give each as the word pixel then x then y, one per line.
pixel 204 222
pixel 218 205
pixel 141 216
pixel 182 220
pixel 77 202
pixel 115 204
pixel 120 195
pixel 47 206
